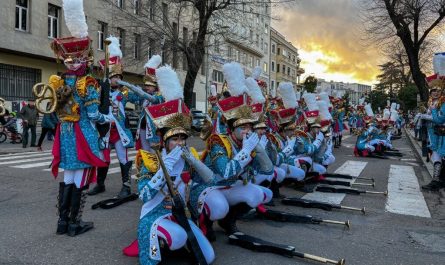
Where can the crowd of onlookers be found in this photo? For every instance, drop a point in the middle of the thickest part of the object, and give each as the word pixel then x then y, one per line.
pixel 28 119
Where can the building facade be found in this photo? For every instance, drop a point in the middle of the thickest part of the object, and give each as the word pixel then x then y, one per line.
pixel 284 61
pixel 355 91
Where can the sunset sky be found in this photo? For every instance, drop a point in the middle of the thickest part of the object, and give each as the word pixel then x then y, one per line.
pixel 329 37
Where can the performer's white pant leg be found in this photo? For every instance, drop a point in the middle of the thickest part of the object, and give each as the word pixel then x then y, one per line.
pixel 319 168
pixel 259 178
pixel 203 242
pixel 435 157
pixel 329 160
pixel 293 172
pixel 250 193
pixel 172 233
pixel 374 141
pixel 216 205
pixel 267 194
pixel 121 152
pixel 305 158
pixel 280 174
pixel 68 176
pixel 370 147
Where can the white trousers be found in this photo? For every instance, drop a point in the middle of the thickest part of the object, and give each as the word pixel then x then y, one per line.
pixel 250 193
pixel 121 152
pixel 216 205
pixel 75 176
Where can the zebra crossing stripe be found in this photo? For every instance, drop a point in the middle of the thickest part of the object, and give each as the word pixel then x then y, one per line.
pixel 352 168
pixel 25 160
pixel 25 153
pixel 23 156
pixel 41 164
pixel 404 195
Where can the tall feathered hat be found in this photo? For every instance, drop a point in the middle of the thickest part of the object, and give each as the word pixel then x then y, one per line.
pixel 312 111
pixel 256 73
pixel 76 48
pixel 236 107
pixel 256 97
pixel 171 117
pixel 369 113
pixel 325 115
pixel 115 60
pixel 286 115
pixel 150 70
pixel 213 98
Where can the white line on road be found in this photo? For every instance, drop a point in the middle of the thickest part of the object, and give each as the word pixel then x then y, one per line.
pixel 25 153
pixel 352 168
pixel 25 160
pixel 404 195
pixel 24 156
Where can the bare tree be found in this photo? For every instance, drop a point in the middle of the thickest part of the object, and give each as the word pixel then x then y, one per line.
pixel 206 24
pixel 412 22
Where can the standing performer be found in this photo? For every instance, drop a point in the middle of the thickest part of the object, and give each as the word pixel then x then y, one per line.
pixel 436 133
pixel 76 100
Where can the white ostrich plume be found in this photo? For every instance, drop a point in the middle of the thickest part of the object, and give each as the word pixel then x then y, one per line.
pixel 234 75
pixel 324 110
pixel 311 101
pixel 368 110
pixel 168 82
pixel 273 92
pixel 153 62
pixel 288 95
pixel 256 73
pixel 75 18
pixel 114 47
pixel 393 106
pixel 213 90
pixel 254 91
pixel 361 101
pixel 386 114
pixel 394 115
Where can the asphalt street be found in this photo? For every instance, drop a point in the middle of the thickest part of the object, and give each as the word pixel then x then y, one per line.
pixel 391 232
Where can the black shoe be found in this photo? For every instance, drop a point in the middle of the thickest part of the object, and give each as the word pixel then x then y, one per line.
pixel 434 185
pixel 96 190
pixel 63 205
pixel 275 188
pixel 125 192
pixel 126 182
pixel 211 236
pixel 229 222
pixel 76 225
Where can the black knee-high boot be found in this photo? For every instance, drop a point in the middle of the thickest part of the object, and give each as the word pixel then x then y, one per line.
pixel 76 225
pixel 126 181
pixel 438 180
pixel 100 186
pixel 235 212
pixel 64 200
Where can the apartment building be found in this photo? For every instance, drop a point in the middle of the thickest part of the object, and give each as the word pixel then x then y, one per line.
pixel 339 89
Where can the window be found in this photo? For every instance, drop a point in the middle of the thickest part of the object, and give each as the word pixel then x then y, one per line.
pixel 175 43
pixel 257 39
pixel 272 84
pixel 279 51
pixel 251 35
pixel 165 14
pixel 101 33
pixel 137 46
pixel 217 76
pixel 21 15
pixel 229 53
pixel 262 43
pixel 120 3
pixel 216 46
pixel 272 48
pixel 136 7
pixel 266 48
pixel 244 59
pixel 251 61
pixel 284 69
pixel 151 44
pixel 237 56
pixel 53 21
pixel 288 71
pixel 121 36
pixel 257 62
pixel 16 82
pixel 152 10
pixel 265 67
pixel 278 67
pixel 272 66
pixel 266 28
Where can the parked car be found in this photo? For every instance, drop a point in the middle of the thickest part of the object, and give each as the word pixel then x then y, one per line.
pixel 197 119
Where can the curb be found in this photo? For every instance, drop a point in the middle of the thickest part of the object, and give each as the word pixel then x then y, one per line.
pixel 418 148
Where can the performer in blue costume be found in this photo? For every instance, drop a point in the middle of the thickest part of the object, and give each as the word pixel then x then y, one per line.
pixel 76 100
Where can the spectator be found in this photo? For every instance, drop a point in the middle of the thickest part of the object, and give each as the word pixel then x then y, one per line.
pixel 49 123
pixel 29 115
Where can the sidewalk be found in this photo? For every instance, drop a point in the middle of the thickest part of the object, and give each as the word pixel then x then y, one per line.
pixel 417 146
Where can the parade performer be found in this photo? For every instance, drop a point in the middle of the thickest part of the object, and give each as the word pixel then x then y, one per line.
pixel 436 132
pixel 324 155
pixel 236 159
pixel 363 146
pixel 76 100
pixel 172 120
pixel 119 135
pixel 338 116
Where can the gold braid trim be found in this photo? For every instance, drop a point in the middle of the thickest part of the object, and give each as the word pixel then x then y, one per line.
pixel 91 102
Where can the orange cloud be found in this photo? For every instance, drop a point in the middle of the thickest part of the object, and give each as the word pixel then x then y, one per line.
pixel 329 36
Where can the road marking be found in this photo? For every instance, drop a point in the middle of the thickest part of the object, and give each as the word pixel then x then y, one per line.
pixel 25 153
pixel 41 164
pixel 408 159
pixel 25 160
pixel 352 168
pixel 404 195
pixel 23 156
pixel 346 137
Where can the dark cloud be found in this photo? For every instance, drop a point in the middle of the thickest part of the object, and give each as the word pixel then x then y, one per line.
pixel 332 27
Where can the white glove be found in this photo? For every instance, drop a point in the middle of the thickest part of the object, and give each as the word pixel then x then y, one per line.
pixel 108 118
pixel 320 136
pixel 205 173
pixel 243 157
pixel 289 148
pixel 250 143
pixel 171 158
pixel 263 141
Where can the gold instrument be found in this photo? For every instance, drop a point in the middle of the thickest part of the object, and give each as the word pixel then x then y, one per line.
pixel 2 106
pixel 46 94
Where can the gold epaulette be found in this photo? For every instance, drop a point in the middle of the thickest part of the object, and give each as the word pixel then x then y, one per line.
pixel 148 160
pixel 220 139
pixel 124 91
pixel 83 83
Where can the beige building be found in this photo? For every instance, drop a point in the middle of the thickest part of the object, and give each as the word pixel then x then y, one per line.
pixel 339 89
pixel 284 61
